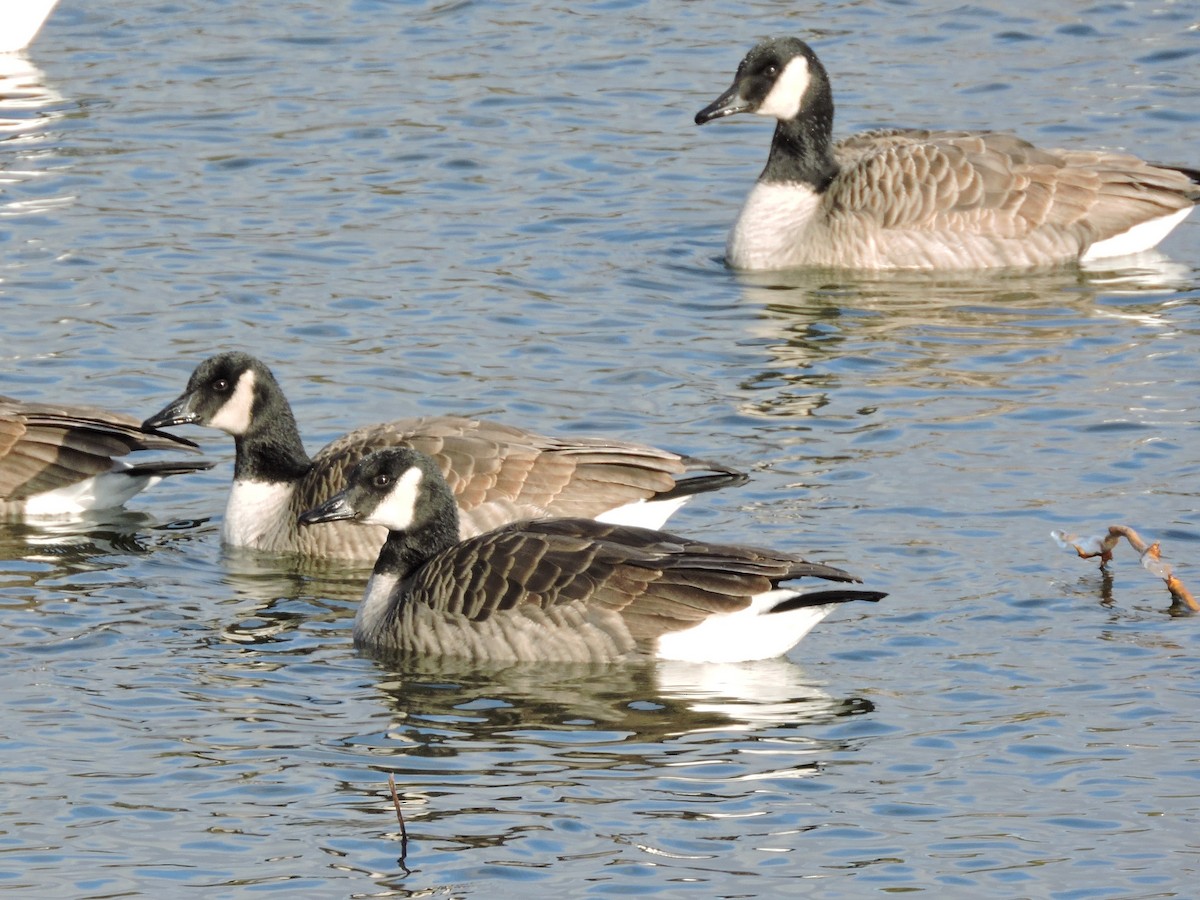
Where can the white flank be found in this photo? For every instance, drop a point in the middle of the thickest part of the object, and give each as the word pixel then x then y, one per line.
pixel 107 490
pixel 398 507
pixel 752 633
pixel 643 513
pixel 769 231
pixel 234 417
pixel 257 514
pixel 1140 237
pixel 377 599
pixel 20 21
pixel 783 102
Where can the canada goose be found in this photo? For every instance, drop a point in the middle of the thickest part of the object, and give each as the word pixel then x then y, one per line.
pixel 563 589
pixel 499 473
pixel 909 199
pixel 58 460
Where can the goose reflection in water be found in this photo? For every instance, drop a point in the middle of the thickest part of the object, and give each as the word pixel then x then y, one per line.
pixel 102 541
pixel 819 331
pixel 647 701
pixel 480 757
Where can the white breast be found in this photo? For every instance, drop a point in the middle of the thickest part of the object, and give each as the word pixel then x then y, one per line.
pixel 770 230
pixel 372 611
pixel 259 516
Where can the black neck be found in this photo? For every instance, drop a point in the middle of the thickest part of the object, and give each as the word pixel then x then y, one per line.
pixel 271 450
pixel 802 150
pixel 404 552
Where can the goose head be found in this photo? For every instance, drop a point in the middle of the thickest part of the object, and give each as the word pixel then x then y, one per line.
pixel 226 391
pixel 781 78
pixel 398 488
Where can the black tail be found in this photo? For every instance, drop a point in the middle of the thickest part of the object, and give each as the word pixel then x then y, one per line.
pixel 714 477
pixel 820 598
pixel 1193 174
pixel 164 468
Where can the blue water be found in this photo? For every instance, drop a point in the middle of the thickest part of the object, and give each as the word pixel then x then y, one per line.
pixel 505 209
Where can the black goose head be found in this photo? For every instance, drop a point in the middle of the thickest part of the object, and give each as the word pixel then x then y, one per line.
pixel 781 78
pixel 398 488
pixel 226 391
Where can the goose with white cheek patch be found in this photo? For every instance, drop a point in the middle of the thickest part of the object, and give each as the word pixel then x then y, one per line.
pixel 59 460
pixel 498 473
pixel 572 590
pixel 911 199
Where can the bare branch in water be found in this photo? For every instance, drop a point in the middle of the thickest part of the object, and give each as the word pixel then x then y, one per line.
pixel 400 819
pixel 1151 559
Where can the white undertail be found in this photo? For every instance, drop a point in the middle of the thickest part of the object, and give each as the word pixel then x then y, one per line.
pixel 1139 238
pixel 751 633
pixel 107 490
pixel 643 513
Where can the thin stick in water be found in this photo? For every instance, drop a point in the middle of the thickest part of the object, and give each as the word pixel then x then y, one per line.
pixel 399 818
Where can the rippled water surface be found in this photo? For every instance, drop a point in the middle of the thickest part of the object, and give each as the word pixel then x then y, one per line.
pixel 505 209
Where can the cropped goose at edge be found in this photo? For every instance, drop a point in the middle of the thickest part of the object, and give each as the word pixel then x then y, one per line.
pixel 64 460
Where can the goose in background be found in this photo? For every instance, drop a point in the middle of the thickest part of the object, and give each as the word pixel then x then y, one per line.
pixel 913 199
pixel 498 473
pixel 58 460
pixel 20 21
pixel 572 590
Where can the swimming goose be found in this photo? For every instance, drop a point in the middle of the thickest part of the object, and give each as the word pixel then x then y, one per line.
pixel 58 460
pixel 499 473
pixel 909 199
pixel 564 589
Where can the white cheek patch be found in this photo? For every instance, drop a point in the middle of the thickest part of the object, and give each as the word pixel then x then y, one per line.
pixel 234 417
pixel 783 102
pixel 398 508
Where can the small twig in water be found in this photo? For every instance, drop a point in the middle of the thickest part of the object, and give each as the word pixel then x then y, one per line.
pixel 1151 559
pixel 400 819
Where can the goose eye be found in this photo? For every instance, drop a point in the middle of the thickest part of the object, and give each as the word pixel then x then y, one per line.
pixel 221 385
pixel 382 480
pixel 771 71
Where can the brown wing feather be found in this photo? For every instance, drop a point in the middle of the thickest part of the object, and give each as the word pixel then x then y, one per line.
pixel 656 582
pixel 999 184
pixel 48 446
